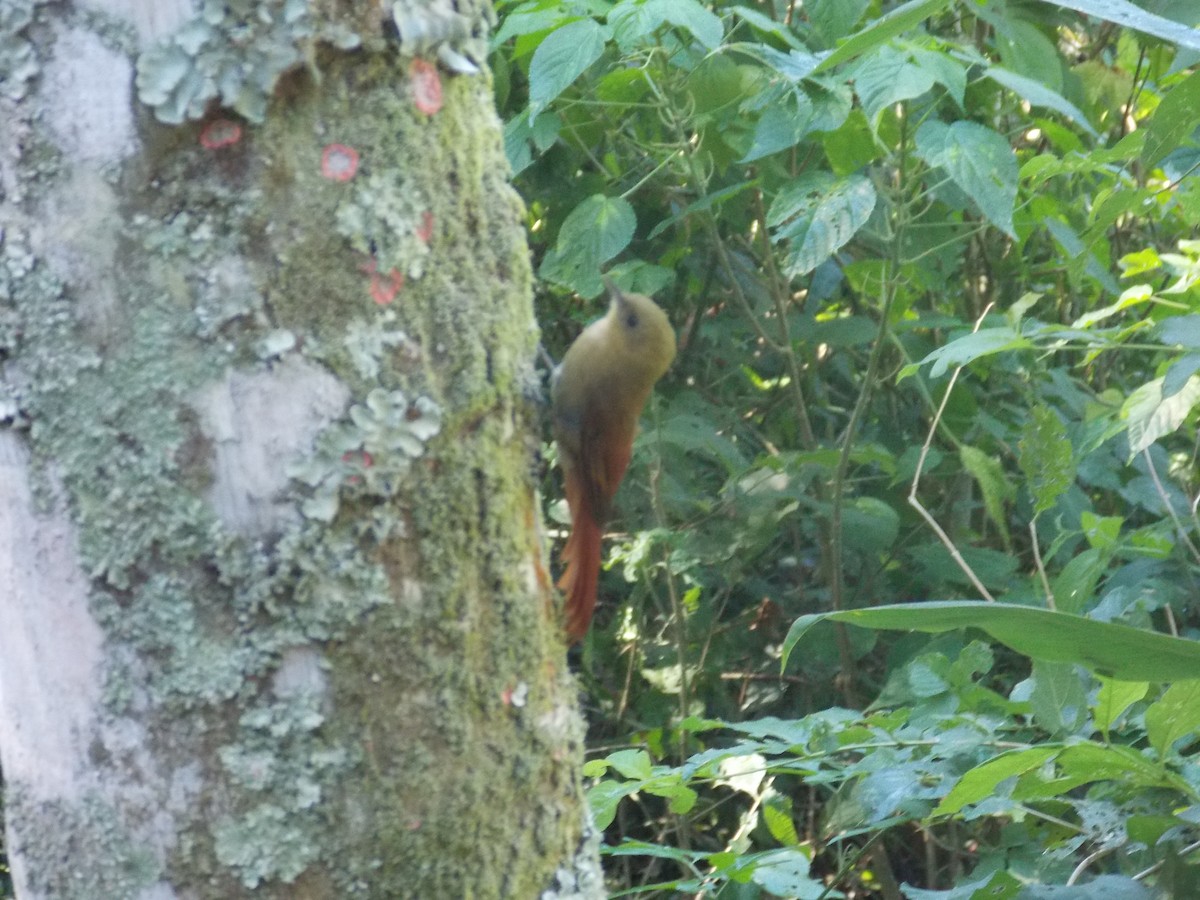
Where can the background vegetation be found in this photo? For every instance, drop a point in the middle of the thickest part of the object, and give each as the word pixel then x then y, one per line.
pixel 931 271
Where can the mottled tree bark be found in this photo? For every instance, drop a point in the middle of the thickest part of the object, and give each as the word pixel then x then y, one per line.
pixel 274 617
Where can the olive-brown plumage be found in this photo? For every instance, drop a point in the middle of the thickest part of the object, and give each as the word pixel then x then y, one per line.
pixel 599 391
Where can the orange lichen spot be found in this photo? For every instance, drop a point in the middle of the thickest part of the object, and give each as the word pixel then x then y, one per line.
pixel 384 286
pixel 220 133
pixel 426 86
pixel 339 162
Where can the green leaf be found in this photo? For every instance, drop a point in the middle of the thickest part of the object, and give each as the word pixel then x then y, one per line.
pixel 1075 586
pixel 767 25
pixel 979 161
pixel 1122 12
pixel 634 20
pixel 1180 331
pixel 1058 700
pixel 869 525
pixel 1046 458
pixel 1173 121
pixel 833 20
pixel 781 126
pixel 529 22
pixel 631 763
pixel 818 214
pixel 1088 762
pixel 708 201
pixel 1133 296
pixel 901 19
pixel 1037 94
pixel 969 348
pixel 1179 373
pixel 996 886
pixel 680 798
pixel 603 798
pixel 943 69
pixel 777 814
pixel 1149 415
pixel 988 473
pixel 1108 648
pixel 1175 714
pixel 887 77
pixel 1101 531
pixel 981 782
pixel 784 873
pixel 560 58
pixel 1114 697
pixel 595 231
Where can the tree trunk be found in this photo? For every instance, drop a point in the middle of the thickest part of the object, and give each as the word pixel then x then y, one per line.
pixel 274 616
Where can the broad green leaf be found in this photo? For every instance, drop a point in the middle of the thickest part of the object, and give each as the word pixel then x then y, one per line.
pixel 1024 48
pixel 1179 373
pixel 777 814
pixel 781 126
pixel 634 20
pixel 1149 415
pixel 560 58
pixel 1087 762
pixel 1174 120
pixel 521 130
pixel 1037 94
pixel 680 798
pixel 887 77
pixel 1057 698
pixel 1101 532
pixel 981 782
pixel 988 473
pixel 594 232
pixel 818 214
pixel 1075 586
pixel 901 19
pixel 631 763
pixel 943 69
pixel 833 20
pixel 1114 697
pixel 969 348
pixel 1173 715
pixel 1118 651
pixel 1180 331
pixel 767 25
pixel 1045 166
pixel 1139 293
pixel 529 22
pixel 869 525
pixel 1122 12
pixel 995 886
pixel 604 797
pixel 979 161
pixel 794 65
pixel 1046 458
pixel 784 873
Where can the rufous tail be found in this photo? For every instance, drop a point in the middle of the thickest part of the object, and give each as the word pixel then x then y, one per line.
pixel 581 556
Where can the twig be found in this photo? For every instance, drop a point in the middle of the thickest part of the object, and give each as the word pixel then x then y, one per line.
pixel 1037 558
pixel 912 492
pixel 1146 873
pixel 1162 495
pixel 1087 861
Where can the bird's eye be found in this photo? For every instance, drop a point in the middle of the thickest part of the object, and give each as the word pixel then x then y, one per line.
pixel 631 320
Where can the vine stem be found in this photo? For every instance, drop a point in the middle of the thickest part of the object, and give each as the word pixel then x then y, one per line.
pixel 915 502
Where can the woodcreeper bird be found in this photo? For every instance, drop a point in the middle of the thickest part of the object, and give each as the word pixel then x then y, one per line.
pixel 599 390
